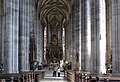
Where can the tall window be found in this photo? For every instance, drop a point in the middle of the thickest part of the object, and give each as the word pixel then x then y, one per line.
pixel 63 42
pixel 45 30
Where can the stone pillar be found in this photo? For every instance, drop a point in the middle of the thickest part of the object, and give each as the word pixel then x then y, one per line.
pixel 35 20
pixel 38 41
pixel 67 55
pixel 40 38
pixel 79 36
pixel 115 35
pixel 98 36
pixel 72 34
pixel 32 33
pixel 48 40
pixel 88 34
pixel 108 34
pixel 11 11
pixel 41 43
pixel 48 35
pixel 1 31
pixel 60 34
pixel 85 35
pixel 76 34
pixel 24 35
pixel 68 41
pixel 28 17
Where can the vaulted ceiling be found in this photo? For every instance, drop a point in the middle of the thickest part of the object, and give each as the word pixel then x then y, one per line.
pixel 54 10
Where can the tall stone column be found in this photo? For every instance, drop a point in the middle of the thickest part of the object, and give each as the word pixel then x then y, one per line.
pixel 48 40
pixel 68 40
pixel 28 18
pixel 35 20
pixel 11 30
pixel 115 35
pixel 38 40
pixel 48 34
pixel 41 43
pixel 60 34
pixel 67 43
pixel 24 35
pixel 32 32
pixel 68 32
pixel 108 33
pixel 79 37
pixel 98 36
pixel 76 34
pixel 1 30
pixel 72 34
pixel 85 35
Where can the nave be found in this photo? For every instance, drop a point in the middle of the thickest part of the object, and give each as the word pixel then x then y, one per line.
pixel 49 77
pixel 82 34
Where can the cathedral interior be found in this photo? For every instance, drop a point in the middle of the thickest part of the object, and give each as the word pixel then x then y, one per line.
pixel 77 35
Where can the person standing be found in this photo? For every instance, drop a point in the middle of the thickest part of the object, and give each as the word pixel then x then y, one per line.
pixel 58 71
pixel 54 72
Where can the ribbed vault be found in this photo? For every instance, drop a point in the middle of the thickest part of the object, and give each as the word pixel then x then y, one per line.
pixel 54 9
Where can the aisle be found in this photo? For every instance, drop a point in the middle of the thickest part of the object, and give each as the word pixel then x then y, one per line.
pixel 49 78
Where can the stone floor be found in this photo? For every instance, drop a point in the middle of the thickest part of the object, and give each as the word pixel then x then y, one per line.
pixel 49 78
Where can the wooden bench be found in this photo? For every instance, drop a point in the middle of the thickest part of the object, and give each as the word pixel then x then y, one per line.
pixel 70 76
pixel 29 76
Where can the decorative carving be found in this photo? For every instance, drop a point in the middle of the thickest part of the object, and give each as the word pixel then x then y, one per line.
pixel 54 52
